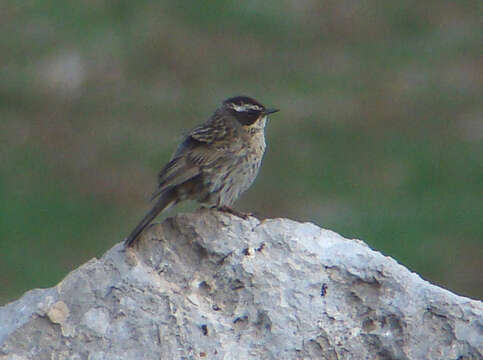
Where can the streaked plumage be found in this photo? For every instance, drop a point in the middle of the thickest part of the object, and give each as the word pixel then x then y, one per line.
pixel 216 162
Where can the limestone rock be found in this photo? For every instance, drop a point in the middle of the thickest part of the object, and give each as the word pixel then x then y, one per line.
pixel 209 285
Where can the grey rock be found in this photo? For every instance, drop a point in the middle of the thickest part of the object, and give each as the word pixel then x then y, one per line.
pixel 210 285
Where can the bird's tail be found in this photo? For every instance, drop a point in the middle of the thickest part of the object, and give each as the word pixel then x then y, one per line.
pixel 165 201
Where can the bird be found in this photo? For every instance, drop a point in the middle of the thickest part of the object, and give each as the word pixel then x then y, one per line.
pixel 215 163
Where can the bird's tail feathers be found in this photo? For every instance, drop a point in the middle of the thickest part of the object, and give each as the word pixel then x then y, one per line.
pixel 163 202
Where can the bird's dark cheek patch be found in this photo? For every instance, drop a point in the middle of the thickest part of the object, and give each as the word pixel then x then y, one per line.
pixel 246 118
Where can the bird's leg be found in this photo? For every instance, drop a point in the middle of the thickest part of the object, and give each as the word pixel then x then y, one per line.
pixel 232 211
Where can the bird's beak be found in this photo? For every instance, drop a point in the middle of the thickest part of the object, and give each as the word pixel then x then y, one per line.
pixel 271 111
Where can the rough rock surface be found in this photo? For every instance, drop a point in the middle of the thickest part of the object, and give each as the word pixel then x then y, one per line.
pixel 210 285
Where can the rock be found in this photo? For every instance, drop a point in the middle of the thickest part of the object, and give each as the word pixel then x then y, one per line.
pixel 210 285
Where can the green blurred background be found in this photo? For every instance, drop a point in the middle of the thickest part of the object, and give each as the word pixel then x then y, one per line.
pixel 379 135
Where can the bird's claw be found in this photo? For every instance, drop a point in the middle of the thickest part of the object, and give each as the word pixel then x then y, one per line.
pixel 232 211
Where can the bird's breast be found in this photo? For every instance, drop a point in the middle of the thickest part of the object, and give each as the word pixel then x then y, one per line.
pixel 237 172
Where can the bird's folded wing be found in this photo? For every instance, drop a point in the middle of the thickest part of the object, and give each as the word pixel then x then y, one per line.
pixel 188 162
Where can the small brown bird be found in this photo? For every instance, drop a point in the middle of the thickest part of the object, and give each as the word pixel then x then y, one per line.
pixel 215 163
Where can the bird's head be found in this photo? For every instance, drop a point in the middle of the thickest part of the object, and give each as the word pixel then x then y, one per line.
pixel 246 109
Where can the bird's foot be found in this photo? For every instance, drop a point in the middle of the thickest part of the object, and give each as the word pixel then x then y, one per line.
pixel 232 211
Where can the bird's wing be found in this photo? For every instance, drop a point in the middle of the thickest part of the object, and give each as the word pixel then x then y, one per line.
pixel 176 172
pixel 204 146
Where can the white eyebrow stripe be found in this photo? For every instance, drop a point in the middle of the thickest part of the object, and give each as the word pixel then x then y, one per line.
pixel 245 107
